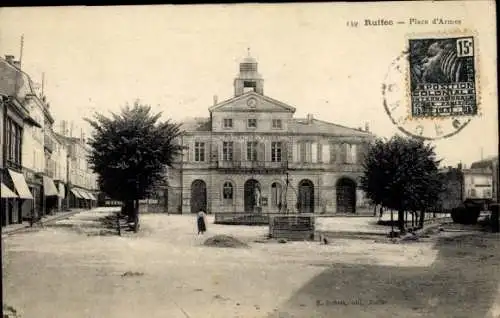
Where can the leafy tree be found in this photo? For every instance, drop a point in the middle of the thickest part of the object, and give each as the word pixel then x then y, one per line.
pixel 402 174
pixel 130 151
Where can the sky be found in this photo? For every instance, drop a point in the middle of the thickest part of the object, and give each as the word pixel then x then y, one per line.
pixel 176 58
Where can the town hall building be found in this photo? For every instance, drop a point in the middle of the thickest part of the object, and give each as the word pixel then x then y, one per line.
pixel 251 155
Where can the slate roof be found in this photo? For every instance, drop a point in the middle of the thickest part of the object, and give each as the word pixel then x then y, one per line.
pixel 485 163
pixel 316 126
pixel 13 81
pixel 296 126
pixel 192 124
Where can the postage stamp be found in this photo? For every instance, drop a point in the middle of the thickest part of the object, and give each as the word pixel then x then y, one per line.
pixel 431 90
pixel 442 77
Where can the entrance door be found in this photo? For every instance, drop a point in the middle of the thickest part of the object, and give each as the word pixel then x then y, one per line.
pixel 306 196
pixel 346 196
pixel 250 197
pixel 198 196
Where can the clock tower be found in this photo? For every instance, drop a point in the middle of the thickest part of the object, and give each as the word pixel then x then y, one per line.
pixel 249 78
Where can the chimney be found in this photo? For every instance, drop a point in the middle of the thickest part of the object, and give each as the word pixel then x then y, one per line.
pixel 310 118
pixel 71 129
pixel 64 128
pixel 16 64
pixel 215 100
pixel 9 58
pixel 367 127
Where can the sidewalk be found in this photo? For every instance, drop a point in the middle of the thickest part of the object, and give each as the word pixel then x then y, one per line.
pixel 16 228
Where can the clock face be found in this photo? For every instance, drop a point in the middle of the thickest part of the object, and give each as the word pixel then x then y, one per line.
pixel 252 102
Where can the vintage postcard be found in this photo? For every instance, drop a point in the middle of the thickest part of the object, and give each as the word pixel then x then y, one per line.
pixel 250 160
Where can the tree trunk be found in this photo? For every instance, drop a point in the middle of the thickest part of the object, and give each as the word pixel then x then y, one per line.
pixel 421 219
pixel 401 221
pixel 130 210
pixel 392 223
pixel 136 216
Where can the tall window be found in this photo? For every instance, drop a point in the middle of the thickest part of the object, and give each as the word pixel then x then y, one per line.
pixel 252 151
pixel 277 124
pixel 336 153
pixel 276 151
pixel 14 134
pixel 227 191
pixel 228 123
pixel 354 158
pixel 227 150
pixel 199 151
pixel 303 152
pixel 252 123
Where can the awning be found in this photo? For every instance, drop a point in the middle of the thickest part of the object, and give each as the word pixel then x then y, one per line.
pixel 85 194
pixel 62 191
pixel 76 193
pixel 92 196
pixel 6 192
pixel 20 184
pixel 49 188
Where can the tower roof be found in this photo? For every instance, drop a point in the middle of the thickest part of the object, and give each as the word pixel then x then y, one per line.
pixel 249 59
pixel 249 68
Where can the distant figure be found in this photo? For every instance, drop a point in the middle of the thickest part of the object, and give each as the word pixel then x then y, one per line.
pixel 323 240
pixel 381 211
pixel 202 226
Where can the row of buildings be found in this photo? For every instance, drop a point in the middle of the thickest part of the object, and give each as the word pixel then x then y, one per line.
pixel 43 168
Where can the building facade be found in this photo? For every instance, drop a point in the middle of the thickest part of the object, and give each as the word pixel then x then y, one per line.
pixel 490 164
pixel 81 186
pixel 37 163
pixel 17 123
pixel 252 155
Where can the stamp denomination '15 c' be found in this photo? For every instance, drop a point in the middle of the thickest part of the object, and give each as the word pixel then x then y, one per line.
pixel 442 77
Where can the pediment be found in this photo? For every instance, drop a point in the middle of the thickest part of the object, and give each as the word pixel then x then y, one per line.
pixel 252 102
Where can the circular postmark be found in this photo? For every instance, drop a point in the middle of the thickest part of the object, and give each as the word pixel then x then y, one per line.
pixel 435 109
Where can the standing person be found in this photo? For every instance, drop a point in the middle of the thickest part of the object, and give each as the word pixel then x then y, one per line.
pixel 202 225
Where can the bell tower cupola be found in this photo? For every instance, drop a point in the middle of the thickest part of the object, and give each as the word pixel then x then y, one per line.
pixel 249 78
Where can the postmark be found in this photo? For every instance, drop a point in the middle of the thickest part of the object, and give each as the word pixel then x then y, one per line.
pixel 431 90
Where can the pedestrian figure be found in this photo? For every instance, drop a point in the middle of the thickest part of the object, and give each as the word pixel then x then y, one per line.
pixel 202 225
pixel 381 212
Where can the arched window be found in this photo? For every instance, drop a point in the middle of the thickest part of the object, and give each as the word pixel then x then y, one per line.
pixel 227 191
